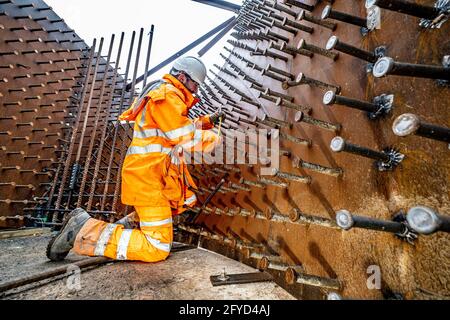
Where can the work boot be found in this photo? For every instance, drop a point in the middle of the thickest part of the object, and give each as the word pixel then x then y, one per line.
pixel 60 246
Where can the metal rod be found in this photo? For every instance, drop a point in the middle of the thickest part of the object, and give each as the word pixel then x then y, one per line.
pixel 348 221
pixel 75 131
pixel 302 80
pixel 329 13
pixel 330 98
pixel 340 145
pixel 87 162
pixel 123 145
pixel 149 52
pixel 335 43
pixel 209 199
pixel 303 15
pixel 334 172
pixel 292 277
pixel 302 117
pixel 116 127
pixel 317 50
pixel 299 4
pixel 406 7
pixel 387 66
pixel 183 51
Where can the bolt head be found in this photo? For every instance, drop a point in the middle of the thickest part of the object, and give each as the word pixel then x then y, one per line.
pixel 423 220
pixel 290 276
pixel 345 220
pixel 263 264
pixel 265 161
pixel 264 117
pixel 252 213
pixel 299 116
pixel 294 215
pixel 300 77
pixel 406 125
pixel 334 296
pixel 246 253
pixel 370 3
pixel 301 15
pixel 279 102
pixel 332 42
pixel 268 213
pixel 296 162
pixel 275 134
pixel 301 44
pixel 337 144
pixel 383 67
pixel 274 171
pixel 446 61
pixel 329 98
pixel 326 12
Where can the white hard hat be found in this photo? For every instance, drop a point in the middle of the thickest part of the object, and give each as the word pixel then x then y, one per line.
pixel 194 67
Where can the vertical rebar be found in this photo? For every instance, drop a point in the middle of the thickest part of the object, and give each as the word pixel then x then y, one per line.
pixel 116 127
pixel 123 146
pixel 105 127
pixel 96 123
pixel 74 133
pixel 149 52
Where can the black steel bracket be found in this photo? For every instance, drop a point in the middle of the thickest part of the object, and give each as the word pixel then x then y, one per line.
pixel 385 104
pixel 395 158
pixel 380 52
pixel 444 15
pixel 408 235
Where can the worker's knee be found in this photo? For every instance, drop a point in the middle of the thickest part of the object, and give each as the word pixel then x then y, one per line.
pixel 155 256
pixel 164 255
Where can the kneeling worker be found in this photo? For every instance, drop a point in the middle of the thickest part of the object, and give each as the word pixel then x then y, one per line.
pixel 155 179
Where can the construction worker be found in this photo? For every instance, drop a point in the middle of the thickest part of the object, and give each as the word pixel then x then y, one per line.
pixel 155 179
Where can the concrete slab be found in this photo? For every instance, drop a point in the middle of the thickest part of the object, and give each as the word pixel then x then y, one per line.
pixel 184 276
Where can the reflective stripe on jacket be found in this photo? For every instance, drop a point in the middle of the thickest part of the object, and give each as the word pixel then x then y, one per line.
pixel 154 171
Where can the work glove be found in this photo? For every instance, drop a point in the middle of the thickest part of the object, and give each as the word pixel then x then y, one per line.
pixel 215 118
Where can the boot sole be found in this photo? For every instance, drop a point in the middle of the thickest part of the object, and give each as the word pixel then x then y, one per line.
pixel 62 256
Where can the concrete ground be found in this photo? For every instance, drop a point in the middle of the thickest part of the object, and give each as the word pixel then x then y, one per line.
pixel 184 276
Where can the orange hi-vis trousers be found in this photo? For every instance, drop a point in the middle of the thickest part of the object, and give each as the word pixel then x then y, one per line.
pixel 151 243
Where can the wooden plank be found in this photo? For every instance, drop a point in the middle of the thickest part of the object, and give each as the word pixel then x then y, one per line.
pixel 24 233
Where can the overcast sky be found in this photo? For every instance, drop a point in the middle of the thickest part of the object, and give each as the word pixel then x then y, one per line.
pixel 177 23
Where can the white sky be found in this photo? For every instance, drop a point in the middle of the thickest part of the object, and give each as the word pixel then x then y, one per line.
pixel 177 24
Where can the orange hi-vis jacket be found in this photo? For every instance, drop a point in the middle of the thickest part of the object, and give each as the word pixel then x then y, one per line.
pixel 154 172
